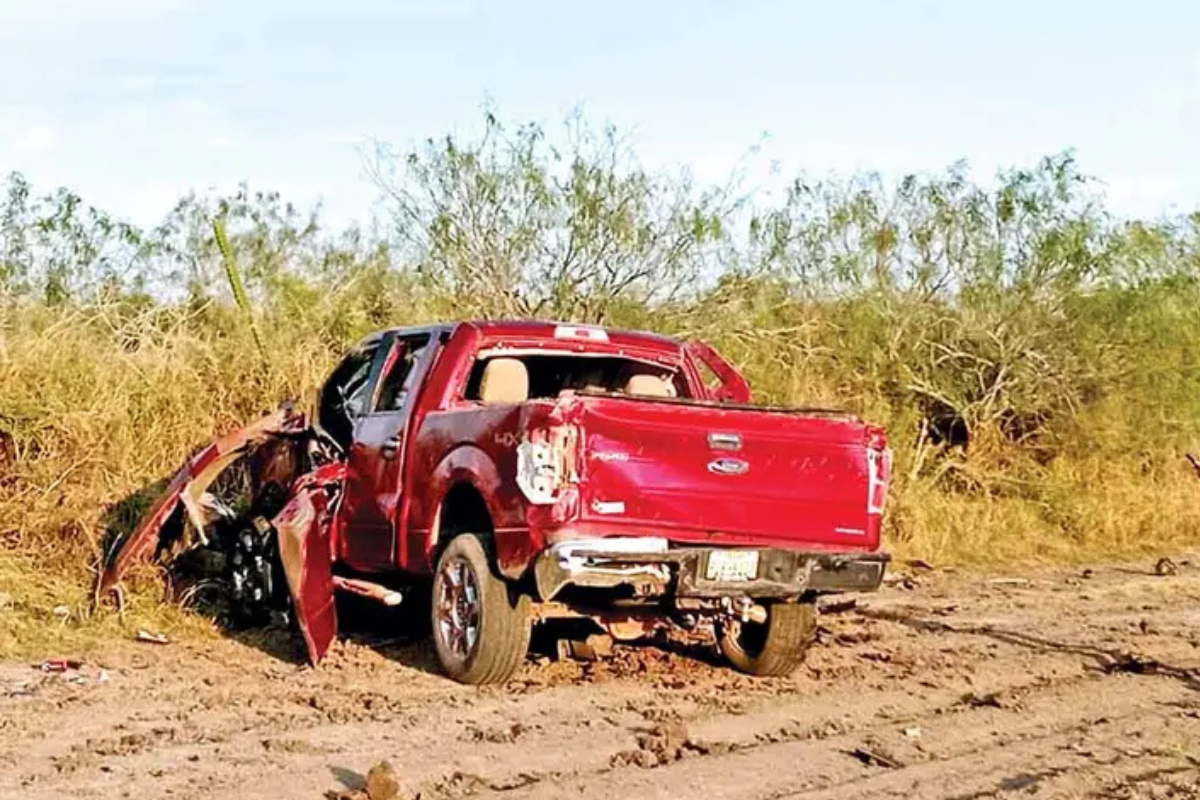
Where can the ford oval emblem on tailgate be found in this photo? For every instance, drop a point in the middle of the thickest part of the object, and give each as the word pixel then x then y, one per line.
pixel 728 466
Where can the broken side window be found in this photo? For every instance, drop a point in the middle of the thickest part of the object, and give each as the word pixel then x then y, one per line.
pixel 398 379
pixel 344 395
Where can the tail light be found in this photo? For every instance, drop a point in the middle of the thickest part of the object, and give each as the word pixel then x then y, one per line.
pixel 879 469
pixel 546 463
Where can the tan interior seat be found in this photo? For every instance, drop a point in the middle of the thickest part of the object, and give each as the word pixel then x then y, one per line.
pixel 504 380
pixel 647 385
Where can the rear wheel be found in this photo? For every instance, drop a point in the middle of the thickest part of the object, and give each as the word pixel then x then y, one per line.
pixel 481 626
pixel 773 648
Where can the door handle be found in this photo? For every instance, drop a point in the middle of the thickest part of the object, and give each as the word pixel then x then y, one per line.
pixel 390 446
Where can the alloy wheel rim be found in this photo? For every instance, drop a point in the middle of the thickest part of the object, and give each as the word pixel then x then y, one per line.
pixel 458 606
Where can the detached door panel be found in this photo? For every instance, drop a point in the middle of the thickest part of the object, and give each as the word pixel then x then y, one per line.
pixel 374 468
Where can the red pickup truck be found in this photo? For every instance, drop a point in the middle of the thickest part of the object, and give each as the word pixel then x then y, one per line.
pixel 526 471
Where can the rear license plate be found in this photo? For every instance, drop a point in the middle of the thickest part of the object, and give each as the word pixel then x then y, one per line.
pixel 732 565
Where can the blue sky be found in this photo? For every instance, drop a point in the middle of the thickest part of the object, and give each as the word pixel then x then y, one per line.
pixel 133 102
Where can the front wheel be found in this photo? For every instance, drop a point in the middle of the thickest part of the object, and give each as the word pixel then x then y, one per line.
pixel 773 648
pixel 481 627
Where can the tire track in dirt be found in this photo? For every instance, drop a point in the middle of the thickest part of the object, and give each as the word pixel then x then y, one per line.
pixel 555 712
pixel 1017 688
pixel 1032 714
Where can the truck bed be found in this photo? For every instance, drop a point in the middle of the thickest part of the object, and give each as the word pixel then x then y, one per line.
pixel 702 472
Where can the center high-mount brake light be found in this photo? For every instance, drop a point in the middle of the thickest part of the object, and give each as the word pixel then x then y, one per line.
pixel 581 333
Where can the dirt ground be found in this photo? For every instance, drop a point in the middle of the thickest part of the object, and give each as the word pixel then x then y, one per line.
pixel 1057 684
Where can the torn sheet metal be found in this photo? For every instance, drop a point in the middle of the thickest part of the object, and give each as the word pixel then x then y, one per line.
pixel 189 485
pixel 304 527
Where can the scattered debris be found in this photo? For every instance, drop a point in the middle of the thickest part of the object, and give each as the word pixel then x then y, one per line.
pixel 873 758
pixel 1087 573
pixel 62 612
pixel 1165 567
pixel 919 563
pixel 1147 627
pixel 65 670
pixel 911 733
pixel 152 638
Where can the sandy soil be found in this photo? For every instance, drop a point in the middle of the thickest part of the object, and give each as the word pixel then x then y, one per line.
pixel 1066 684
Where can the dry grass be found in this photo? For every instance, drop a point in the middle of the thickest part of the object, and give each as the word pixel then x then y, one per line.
pixel 47 612
pixel 99 405
pixel 97 410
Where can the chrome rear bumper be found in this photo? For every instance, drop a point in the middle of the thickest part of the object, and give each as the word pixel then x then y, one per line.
pixel 650 567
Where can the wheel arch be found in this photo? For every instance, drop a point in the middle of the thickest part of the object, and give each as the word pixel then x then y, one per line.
pixel 470 492
pixel 463 509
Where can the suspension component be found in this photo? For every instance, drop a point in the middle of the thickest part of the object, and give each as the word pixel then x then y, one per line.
pixel 258 587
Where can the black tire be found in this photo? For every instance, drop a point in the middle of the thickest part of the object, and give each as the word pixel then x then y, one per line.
pixel 773 648
pixel 499 616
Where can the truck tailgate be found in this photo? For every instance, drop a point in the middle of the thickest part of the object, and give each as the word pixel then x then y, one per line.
pixel 699 472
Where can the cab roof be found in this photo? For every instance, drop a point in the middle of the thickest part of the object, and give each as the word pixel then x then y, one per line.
pixel 530 330
pixel 539 333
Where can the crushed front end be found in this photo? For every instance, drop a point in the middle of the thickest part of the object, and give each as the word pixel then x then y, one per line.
pixel 274 549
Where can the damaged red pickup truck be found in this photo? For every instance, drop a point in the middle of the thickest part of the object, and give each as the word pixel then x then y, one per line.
pixel 537 471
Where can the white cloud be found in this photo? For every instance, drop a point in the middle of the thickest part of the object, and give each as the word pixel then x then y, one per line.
pixel 1146 195
pixel 37 139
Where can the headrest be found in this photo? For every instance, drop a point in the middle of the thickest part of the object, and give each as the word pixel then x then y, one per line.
pixel 646 385
pixel 504 380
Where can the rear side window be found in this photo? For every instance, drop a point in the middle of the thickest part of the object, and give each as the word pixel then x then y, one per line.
pixel 397 381
pixel 549 375
pixel 710 379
